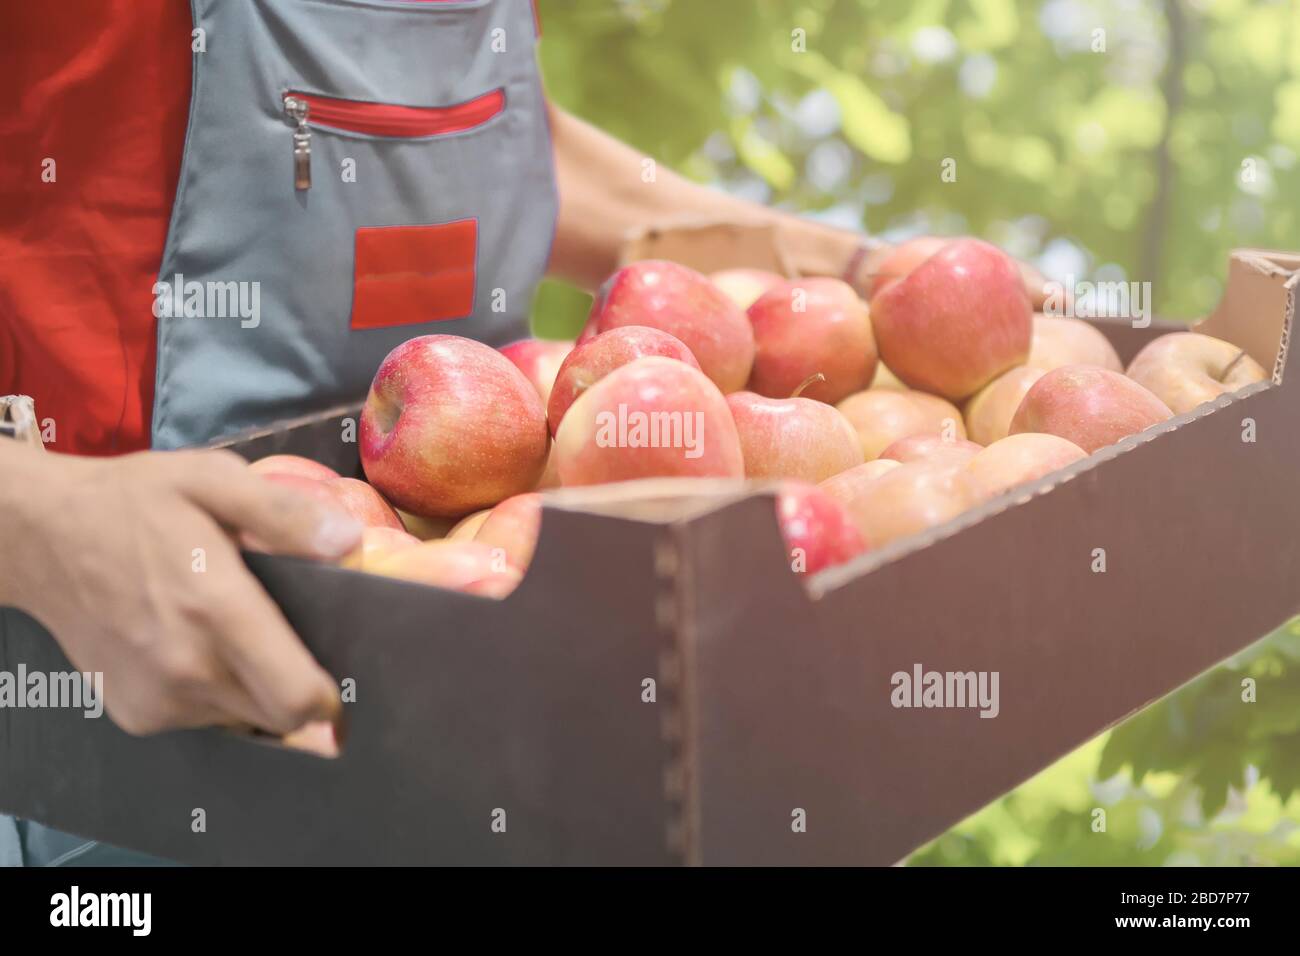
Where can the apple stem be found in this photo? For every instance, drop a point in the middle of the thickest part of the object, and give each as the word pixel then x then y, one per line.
pixel 1231 365
pixel 819 377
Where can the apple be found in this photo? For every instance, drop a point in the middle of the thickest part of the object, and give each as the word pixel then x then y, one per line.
pixel 292 465
pixel 356 498
pixel 817 530
pixel 988 413
pixel 451 426
pixel 595 358
pixel 513 527
pixel 811 327
pixel 551 476
pixel 795 438
pixel 884 378
pixel 881 417
pixel 470 566
pixel 1059 340
pixel 956 321
pixel 467 527
pixel 376 544
pixel 425 529
pixel 1187 369
pixel 743 286
pixel 904 499
pixel 847 485
pixel 1092 407
pixel 904 257
pixel 934 448
pixel 655 417
pixel 681 302
pixel 539 360
pixel 1016 459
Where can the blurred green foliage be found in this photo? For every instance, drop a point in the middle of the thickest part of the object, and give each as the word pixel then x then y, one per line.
pixel 1104 139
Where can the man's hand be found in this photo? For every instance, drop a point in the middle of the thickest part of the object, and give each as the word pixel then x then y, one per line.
pixel 131 564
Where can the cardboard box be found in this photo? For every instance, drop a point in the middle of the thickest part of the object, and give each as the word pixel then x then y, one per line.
pixel 773 703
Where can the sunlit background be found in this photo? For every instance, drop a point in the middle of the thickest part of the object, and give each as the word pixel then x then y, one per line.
pixel 1111 140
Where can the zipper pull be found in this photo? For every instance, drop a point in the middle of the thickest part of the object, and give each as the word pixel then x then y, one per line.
pixel 296 110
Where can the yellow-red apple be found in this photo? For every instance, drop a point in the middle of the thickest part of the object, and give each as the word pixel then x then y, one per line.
pixel 679 301
pixel 655 417
pixel 1186 369
pixel 1017 459
pixel 451 426
pixel 902 259
pixel 932 448
pixel 956 321
pixel 1092 407
pixel 811 327
pixel 796 438
pixel 539 360
pixel 988 412
pixel 882 416
pixel 905 499
pixel 595 358
pixel 1060 340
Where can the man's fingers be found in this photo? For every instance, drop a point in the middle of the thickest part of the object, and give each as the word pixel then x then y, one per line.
pixel 298 520
pixel 279 674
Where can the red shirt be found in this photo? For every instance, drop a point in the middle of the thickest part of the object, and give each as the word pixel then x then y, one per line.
pixel 101 88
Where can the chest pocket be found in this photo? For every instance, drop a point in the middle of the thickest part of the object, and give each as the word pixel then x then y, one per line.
pixel 356 173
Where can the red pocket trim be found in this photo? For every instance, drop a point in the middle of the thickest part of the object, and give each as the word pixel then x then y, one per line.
pixel 410 274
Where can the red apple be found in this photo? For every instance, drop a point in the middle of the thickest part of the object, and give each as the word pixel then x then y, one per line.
pixel 882 416
pixel 1187 369
pixel 743 286
pixel 292 465
pixel 513 527
pixel 469 566
pixel 906 499
pixel 539 360
pixel 818 532
pixel 655 417
pixel 988 413
pixel 681 302
pixel 904 257
pixel 1092 407
pixel 811 327
pixel 1061 341
pixel 794 438
pixel 933 448
pixel 1019 458
pixel 956 321
pixel 376 544
pixel 451 426
pixel 595 358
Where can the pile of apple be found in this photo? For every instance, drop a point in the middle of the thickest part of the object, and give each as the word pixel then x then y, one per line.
pixel 876 421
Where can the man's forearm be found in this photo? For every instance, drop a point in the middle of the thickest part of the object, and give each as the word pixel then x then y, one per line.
pixel 606 192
